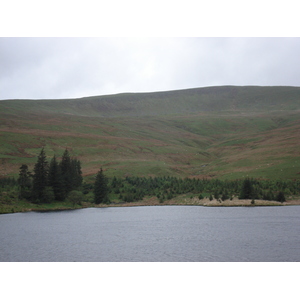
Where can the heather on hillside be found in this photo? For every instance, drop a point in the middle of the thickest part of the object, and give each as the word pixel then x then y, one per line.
pixel 224 132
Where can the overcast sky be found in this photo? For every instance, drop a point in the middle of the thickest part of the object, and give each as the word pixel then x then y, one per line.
pixel 41 68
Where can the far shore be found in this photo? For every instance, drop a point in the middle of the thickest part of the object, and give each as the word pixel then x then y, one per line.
pixel 153 201
pixel 204 202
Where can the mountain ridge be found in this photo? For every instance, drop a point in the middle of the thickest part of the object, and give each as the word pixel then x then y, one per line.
pixel 198 99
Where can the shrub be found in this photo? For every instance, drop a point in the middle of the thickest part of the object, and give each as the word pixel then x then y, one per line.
pixel 75 197
pixel 280 197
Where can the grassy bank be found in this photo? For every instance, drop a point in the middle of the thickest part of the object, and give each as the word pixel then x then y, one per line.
pixel 23 206
pixel 190 200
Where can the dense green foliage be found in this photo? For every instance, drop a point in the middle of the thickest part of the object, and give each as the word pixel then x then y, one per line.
pixel 40 190
pixel 56 180
pixel 61 181
pixel 70 169
pixel 135 188
pixel 50 182
pixel 101 188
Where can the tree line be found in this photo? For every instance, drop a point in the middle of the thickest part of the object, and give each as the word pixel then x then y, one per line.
pixel 61 179
pixel 132 189
pixel 56 181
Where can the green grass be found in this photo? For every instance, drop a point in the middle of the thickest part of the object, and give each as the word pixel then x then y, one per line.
pixel 231 130
pixel 24 206
pixel 238 142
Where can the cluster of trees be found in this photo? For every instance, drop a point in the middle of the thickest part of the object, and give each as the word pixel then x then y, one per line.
pixel 61 180
pixel 7 181
pixel 58 180
pixel 50 181
pixel 135 188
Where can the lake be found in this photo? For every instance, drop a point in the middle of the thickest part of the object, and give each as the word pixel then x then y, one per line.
pixel 153 234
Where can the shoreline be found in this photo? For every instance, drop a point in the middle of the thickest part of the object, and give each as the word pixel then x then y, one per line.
pixel 155 202
pixel 203 202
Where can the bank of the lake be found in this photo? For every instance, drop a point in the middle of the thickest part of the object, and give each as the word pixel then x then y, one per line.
pixel 23 206
pixel 204 202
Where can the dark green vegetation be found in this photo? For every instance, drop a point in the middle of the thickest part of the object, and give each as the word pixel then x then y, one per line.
pixel 216 132
pixel 49 182
pixel 133 189
pixel 101 188
pixel 58 185
pixel 54 182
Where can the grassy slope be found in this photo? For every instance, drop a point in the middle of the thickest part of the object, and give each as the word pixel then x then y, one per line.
pixel 227 132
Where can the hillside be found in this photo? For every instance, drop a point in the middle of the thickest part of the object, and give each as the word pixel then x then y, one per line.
pixel 224 132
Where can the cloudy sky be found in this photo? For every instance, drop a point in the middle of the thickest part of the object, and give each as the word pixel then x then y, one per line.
pixel 138 48
pixel 40 68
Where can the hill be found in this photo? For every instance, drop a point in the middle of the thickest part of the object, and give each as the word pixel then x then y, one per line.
pixel 223 132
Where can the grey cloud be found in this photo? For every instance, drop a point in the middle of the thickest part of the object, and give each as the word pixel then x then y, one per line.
pixel 38 68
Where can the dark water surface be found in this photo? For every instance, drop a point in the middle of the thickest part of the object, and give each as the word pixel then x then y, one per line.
pixel 153 233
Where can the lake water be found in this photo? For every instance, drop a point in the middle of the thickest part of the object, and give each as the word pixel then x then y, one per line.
pixel 153 233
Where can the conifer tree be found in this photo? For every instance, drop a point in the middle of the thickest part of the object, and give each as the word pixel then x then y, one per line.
pixel 40 178
pixel 101 188
pixel 24 182
pixel 65 166
pixel 71 172
pixel 55 180
pixel 76 173
pixel 247 190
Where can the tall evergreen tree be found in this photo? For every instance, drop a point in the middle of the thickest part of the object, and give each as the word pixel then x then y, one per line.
pixel 40 178
pixel 76 173
pixel 247 190
pixel 55 180
pixel 65 166
pixel 24 182
pixel 101 188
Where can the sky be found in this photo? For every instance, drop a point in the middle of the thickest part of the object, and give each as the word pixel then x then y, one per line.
pixel 71 49
pixel 54 68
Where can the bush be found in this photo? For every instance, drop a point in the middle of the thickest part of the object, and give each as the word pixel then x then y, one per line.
pixel 280 197
pixel 128 198
pixel 75 197
pixel 224 197
pixel 47 195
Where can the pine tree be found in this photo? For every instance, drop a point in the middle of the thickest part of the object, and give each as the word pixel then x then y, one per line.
pixel 247 190
pixel 65 166
pixel 24 182
pixel 76 173
pixel 101 188
pixel 71 172
pixel 40 179
pixel 55 180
